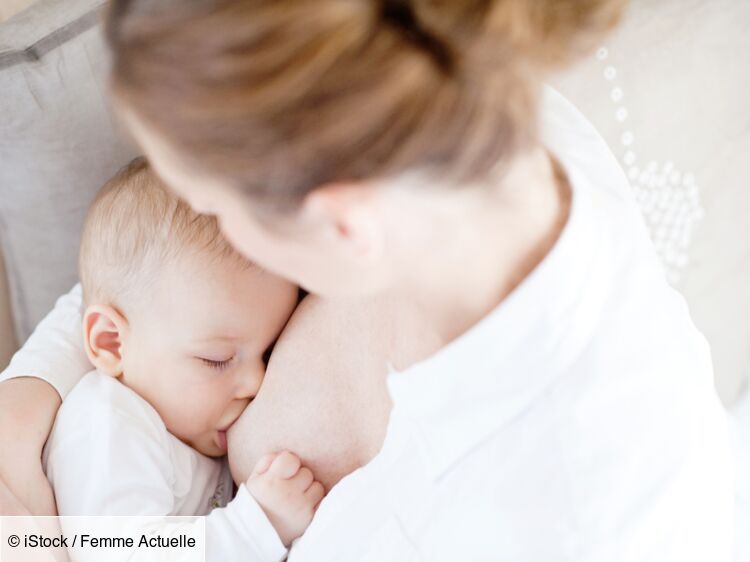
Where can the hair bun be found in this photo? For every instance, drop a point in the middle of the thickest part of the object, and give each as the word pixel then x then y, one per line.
pixel 401 14
pixel 551 33
pixel 544 33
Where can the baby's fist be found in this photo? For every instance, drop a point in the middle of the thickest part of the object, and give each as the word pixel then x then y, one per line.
pixel 287 492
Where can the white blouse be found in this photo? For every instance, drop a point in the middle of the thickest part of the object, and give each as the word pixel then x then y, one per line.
pixel 576 422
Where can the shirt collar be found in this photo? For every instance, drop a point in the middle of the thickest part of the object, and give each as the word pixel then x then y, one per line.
pixel 494 372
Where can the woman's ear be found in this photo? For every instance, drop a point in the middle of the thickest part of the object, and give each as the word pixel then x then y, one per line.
pixel 350 215
pixel 103 330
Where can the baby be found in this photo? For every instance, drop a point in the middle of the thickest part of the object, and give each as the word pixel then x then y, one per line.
pixel 178 326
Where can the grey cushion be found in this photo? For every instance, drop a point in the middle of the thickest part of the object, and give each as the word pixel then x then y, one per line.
pixel 58 144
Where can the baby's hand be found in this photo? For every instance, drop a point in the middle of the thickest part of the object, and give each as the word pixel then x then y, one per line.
pixel 287 492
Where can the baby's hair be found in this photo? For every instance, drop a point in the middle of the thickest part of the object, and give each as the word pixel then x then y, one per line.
pixel 136 226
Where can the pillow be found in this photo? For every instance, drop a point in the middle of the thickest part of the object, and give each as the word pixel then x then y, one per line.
pixel 59 144
pixel 669 92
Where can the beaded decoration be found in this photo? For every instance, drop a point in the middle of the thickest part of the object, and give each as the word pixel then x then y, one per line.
pixel 668 198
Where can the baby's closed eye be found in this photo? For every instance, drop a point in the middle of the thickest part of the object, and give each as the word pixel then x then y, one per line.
pixel 216 363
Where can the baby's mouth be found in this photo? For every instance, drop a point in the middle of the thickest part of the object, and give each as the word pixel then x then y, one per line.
pixel 221 434
pixel 222 439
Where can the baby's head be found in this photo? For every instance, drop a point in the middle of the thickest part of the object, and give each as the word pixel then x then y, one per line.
pixel 173 311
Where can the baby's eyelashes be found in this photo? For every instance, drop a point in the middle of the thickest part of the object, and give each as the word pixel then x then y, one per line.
pixel 216 364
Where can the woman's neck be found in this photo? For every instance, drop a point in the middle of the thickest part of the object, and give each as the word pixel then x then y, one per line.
pixel 482 244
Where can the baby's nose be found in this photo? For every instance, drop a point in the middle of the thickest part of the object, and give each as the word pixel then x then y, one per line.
pixel 249 385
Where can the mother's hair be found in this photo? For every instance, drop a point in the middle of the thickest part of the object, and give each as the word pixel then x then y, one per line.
pixel 278 97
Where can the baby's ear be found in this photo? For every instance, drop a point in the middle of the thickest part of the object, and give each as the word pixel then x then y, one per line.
pixel 103 329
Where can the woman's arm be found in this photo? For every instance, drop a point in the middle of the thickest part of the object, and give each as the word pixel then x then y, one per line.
pixel 50 363
pixel 9 503
pixel 27 411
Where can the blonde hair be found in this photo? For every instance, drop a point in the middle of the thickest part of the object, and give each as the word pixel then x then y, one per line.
pixel 278 97
pixel 136 226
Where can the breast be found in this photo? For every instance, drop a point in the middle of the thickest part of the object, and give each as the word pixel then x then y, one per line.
pixel 323 397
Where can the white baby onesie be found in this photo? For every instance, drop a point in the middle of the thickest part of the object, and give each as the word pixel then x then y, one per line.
pixel 109 453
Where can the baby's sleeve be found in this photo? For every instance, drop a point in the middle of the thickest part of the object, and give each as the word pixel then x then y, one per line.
pixel 241 531
pixel 54 352
pixel 104 461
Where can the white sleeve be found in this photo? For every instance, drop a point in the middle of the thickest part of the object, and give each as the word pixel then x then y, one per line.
pixel 242 532
pixel 54 352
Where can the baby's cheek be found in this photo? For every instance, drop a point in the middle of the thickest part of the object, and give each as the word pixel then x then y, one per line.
pixel 188 418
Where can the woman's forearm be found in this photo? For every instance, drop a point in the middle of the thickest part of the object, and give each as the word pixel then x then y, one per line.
pixel 27 411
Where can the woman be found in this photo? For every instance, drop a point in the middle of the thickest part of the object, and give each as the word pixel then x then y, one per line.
pixel 548 397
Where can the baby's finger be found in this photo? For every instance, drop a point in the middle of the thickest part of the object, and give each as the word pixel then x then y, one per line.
pixel 285 465
pixel 303 479
pixel 264 463
pixel 315 493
